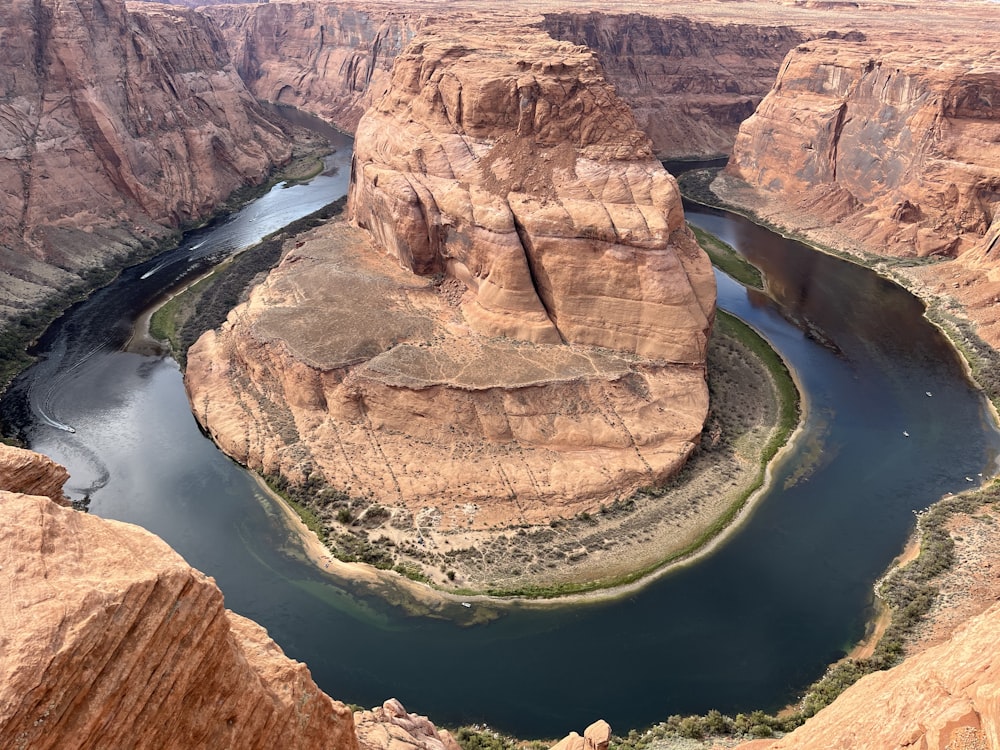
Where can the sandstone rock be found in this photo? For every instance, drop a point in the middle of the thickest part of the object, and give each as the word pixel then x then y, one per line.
pixel 514 168
pixel 531 345
pixel 111 640
pixel 944 698
pixel 897 146
pixel 331 59
pixel 690 83
pixel 116 124
pixel 390 727
pixel 31 473
pixel 595 737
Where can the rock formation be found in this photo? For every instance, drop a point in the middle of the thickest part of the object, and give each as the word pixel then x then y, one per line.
pixel 115 125
pixel 528 339
pixel 331 59
pixel 112 640
pixel 945 698
pixel 31 473
pixel 897 147
pixel 595 737
pixel 690 83
pixel 390 727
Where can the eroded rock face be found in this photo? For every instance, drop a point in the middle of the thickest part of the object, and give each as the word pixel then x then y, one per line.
pixel 944 698
pixel 32 473
pixel 111 640
pixel 897 148
pixel 514 168
pixel 331 59
pixel 690 83
pixel 390 727
pixel 115 124
pixel 526 340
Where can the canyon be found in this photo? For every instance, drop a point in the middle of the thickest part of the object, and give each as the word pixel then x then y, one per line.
pixel 862 143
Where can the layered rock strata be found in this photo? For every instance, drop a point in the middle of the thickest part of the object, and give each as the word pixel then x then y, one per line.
pixel 331 59
pixel 690 83
pixel 112 640
pixel 896 148
pixel 527 339
pixel 31 473
pixel 115 124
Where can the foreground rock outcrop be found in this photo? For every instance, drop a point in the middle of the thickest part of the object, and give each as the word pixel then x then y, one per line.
pixel 525 341
pixel 112 640
pixel 116 125
pixel 31 473
pixel 892 149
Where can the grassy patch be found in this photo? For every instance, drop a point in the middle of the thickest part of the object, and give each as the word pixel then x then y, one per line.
pixel 728 260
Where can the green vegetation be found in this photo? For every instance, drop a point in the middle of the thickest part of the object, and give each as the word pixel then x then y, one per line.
pixel 728 260
pixel 296 497
pixel 983 360
pixel 482 738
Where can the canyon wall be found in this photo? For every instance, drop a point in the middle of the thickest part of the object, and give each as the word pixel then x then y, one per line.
pixel 526 339
pixel 945 698
pixel 329 59
pixel 116 124
pixel 890 148
pixel 689 83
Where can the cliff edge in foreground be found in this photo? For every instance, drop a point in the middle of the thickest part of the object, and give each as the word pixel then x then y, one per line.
pixel 520 334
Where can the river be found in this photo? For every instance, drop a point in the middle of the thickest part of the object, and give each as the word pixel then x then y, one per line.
pixel 892 425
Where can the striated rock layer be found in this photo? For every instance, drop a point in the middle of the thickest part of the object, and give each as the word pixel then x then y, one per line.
pixel 946 698
pixel 111 640
pixel 527 340
pixel 690 82
pixel 897 148
pixel 31 473
pixel 115 124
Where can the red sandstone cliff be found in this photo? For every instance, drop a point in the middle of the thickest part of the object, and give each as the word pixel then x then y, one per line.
pixel 111 640
pixel 330 59
pixel 115 124
pixel 690 83
pixel 894 147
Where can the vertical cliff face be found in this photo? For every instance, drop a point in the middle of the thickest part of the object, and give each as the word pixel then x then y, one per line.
pixel 515 169
pixel 330 59
pixel 897 149
pixel 115 124
pixel 690 84
pixel 897 145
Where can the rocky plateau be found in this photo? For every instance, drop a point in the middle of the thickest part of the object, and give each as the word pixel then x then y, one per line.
pixel 526 288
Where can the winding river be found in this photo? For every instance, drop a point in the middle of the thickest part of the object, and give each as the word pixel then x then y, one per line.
pixel 892 425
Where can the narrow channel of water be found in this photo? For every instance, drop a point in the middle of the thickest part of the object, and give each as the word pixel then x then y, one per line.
pixel 746 628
